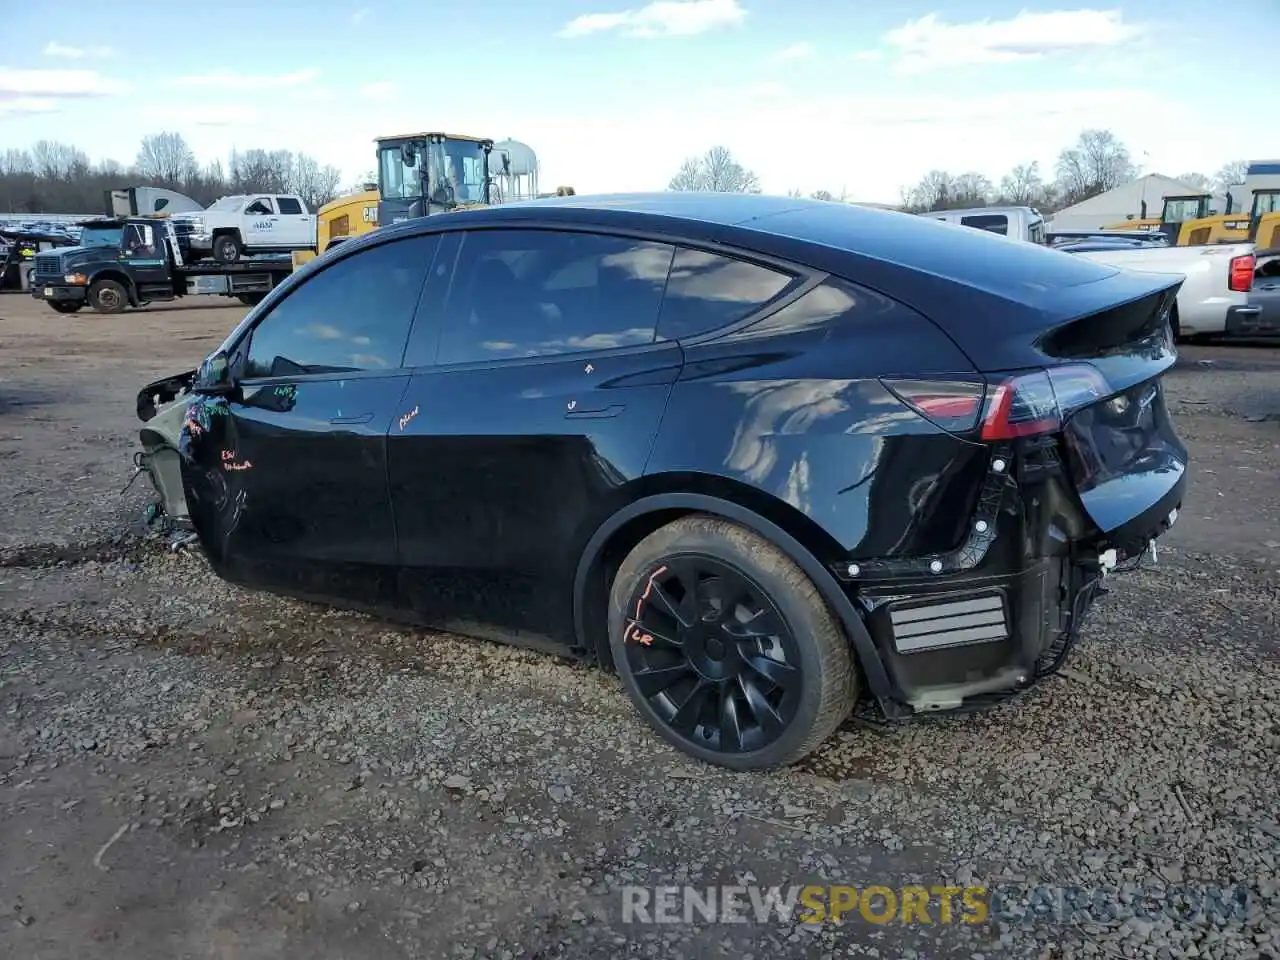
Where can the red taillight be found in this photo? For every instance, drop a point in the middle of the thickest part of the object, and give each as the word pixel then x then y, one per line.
pixel 1014 405
pixel 1033 403
pixel 1241 279
pixel 953 405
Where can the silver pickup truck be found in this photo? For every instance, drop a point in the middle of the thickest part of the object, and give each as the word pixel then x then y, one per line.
pixel 1214 298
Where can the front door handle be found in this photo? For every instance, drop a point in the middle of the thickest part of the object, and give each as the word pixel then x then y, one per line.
pixel 359 418
pixel 575 412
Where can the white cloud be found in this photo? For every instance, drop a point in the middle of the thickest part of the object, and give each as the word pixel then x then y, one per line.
pixel 360 15
pixel 869 56
pixel 930 43
pixel 797 51
pixel 228 80
pixel 205 115
pixel 56 83
pixel 661 18
pixel 381 90
pixel 55 49
pixel 24 106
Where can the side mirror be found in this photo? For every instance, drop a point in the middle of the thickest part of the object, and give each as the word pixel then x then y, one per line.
pixel 214 377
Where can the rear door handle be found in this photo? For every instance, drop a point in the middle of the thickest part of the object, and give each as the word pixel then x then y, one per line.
pixel 575 412
pixel 359 418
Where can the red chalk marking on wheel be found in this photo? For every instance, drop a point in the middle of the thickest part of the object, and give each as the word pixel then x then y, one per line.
pixel 648 589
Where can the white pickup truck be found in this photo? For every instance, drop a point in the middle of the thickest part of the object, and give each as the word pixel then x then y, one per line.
pixel 1214 298
pixel 247 224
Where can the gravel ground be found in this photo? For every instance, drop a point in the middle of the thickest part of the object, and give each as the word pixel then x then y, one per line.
pixel 192 770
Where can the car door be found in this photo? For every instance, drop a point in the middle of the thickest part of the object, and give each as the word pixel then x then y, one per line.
pixel 261 226
pixel 286 479
pixel 537 390
pixel 295 223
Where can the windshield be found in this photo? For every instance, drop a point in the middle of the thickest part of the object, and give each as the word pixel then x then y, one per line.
pixel 101 236
pixel 455 172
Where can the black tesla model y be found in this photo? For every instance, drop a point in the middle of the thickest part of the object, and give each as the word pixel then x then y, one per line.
pixel 773 460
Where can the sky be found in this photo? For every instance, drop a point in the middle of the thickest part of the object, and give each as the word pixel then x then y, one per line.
pixel 861 98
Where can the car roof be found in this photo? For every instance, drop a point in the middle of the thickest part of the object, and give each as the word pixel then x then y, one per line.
pixel 938 268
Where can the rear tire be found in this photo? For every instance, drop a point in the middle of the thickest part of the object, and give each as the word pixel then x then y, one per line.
pixel 108 296
pixel 726 647
pixel 66 306
pixel 226 248
pixel 250 299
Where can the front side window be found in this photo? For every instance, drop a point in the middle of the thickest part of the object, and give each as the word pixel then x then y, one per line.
pixel 533 293
pixel 707 291
pixel 261 207
pixel 991 222
pixel 353 315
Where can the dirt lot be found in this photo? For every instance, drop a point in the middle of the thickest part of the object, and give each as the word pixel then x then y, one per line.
pixel 190 770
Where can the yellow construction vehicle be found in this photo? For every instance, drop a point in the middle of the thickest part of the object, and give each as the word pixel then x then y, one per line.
pixel 423 174
pixel 1178 210
pixel 1257 219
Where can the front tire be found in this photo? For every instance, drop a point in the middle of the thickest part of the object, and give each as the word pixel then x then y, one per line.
pixel 226 248
pixel 108 296
pixel 726 648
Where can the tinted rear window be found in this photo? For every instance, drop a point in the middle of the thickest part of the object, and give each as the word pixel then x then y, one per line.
pixel 706 291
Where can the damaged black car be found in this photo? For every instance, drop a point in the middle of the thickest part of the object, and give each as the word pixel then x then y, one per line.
pixel 774 461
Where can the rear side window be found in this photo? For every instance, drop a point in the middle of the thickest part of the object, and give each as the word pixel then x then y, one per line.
pixel 991 222
pixel 534 293
pixel 707 291
pixel 289 205
pixel 353 315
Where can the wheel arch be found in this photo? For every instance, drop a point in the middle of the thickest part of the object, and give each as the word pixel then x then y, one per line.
pixel 616 536
pixel 120 277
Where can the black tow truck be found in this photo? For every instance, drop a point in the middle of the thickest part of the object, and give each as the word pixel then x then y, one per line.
pixel 122 262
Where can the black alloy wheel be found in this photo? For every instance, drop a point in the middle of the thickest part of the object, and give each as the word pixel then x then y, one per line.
pixel 726 647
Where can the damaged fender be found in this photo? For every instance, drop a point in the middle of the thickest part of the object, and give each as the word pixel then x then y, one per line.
pixel 162 406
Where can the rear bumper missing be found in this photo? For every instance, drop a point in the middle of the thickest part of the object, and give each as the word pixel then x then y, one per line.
pixel 970 629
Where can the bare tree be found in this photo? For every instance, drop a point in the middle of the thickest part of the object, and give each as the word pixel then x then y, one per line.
pixel 1230 174
pixel 166 159
pixel 316 185
pixel 1198 180
pixel 14 162
pixel 1097 163
pixel 933 192
pixel 58 161
pixel 261 171
pixel 971 190
pixel 717 171
pixel 1023 186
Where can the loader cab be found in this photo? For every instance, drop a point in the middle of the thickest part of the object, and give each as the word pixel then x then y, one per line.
pixel 424 173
